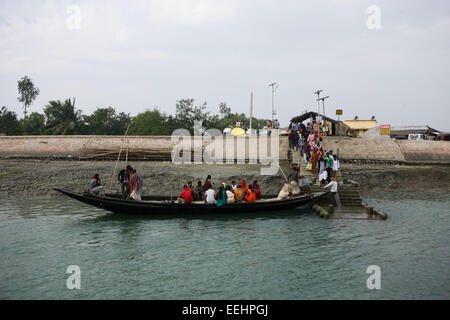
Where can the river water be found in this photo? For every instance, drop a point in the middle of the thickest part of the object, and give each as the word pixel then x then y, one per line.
pixel 289 255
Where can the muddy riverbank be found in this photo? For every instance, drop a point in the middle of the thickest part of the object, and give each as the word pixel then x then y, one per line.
pixel 37 177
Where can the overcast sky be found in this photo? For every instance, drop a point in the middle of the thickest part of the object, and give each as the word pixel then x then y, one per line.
pixel 135 55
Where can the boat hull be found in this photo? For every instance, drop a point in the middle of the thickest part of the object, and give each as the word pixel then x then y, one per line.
pixel 167 207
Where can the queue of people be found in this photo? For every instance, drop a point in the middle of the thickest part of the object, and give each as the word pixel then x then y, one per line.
pixel 231 193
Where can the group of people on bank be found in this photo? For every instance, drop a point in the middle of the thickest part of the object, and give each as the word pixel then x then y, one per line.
pixel 230 193
pixel 305 139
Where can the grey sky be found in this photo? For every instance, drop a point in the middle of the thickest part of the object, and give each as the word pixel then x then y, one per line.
pixel 135 55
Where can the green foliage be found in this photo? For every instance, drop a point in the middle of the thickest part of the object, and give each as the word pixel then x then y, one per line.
pixel 152 122
pixel 9 124
pixel 27 92
pixel 105 121
pixel 34 124
pixel 63 118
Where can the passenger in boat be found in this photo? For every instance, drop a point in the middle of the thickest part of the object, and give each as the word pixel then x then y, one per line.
pixel 230 195
pixel 294 174
pixel 257 189
pixel 243 187
pixel 136 183
pixel 285 192
pixel 96 186
pixel 295 189
pixel 250 196
pixel 186 194
pixel 238 194
pixel 198 192
pixel 233 185
pixel 207 183
pixel 221 197
pixel 124 180
pixel 191 187
pixel 210 195
pixel 303 183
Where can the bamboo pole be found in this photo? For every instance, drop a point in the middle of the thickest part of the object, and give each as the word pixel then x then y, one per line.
pixel 118 157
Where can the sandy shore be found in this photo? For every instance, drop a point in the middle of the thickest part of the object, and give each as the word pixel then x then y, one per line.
pixel 37 177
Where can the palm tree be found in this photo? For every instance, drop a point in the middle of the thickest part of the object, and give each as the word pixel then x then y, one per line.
pixel 63 118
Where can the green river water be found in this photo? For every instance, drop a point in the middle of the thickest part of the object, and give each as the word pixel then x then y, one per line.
pixel 286 255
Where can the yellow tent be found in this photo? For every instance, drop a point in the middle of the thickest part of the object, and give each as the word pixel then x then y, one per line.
pixel 238 132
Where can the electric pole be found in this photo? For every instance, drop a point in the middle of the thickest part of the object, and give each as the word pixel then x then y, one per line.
pixel 273 94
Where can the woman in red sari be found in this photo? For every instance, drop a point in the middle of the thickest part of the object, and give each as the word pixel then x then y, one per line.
pixel 256 189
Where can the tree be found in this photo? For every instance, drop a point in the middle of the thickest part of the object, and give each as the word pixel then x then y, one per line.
pixel 62 117
pixel 34 124
pixel 224 111
pixel 27 93
pixel 9 124
pixel 151 122
pixel 105 121
pixel 186 113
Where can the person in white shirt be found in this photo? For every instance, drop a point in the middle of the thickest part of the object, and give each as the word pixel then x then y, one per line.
pixel 233 185
pixel 334 187
pixel 210 195
pixel 230 195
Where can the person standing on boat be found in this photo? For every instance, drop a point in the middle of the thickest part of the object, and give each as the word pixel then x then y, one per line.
pixel 96 186
pixel 210 195
pixel 186 194
pixel 221 197
pixel 334 188
pixel 124 179
pixel 136 183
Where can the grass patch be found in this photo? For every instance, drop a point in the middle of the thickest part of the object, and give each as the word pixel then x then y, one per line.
pixel 8 173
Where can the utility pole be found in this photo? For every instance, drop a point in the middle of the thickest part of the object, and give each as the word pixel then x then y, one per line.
pixel 251 112
pixel 318 97
pixel 273 93
pixel 323 104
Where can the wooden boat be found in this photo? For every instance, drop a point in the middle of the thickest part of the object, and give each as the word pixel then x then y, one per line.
pixel 161 205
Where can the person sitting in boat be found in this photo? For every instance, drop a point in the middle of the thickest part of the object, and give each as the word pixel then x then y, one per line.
pixel 303 183
pixel 210 195
pixel 238 194
pixel 257 189
pixel 295 190
pixel 96 186
pixel 230 195
pixel 221 197
pixel 285 192
pixel 136 183
pixel 250 196
pixel 243 186
pixel 186 195
pixel 233 185
pixel 198 192
pixel 207 183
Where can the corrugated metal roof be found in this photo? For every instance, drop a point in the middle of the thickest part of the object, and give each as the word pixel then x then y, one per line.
pixel 361 124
